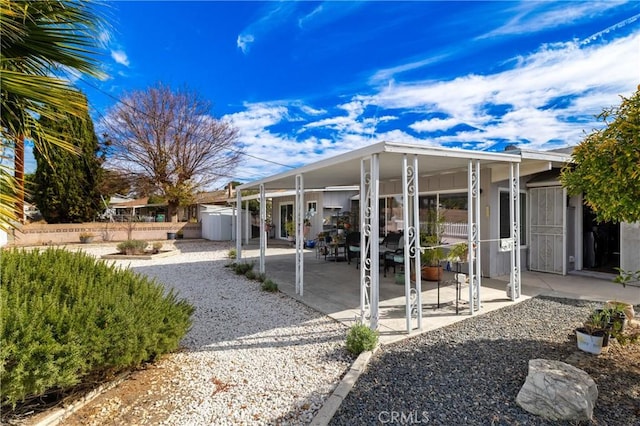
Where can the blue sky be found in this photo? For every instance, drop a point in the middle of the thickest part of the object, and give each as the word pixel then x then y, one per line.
pixel 307 80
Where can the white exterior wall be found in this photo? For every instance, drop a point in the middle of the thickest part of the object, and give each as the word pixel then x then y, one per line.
pixel 630 246
pixel 324 199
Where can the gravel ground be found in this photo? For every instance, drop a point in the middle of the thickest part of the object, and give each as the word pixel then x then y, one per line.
pixel 250 358
pixel 470 373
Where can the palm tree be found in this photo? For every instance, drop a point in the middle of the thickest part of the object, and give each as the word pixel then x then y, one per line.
pixel 40 42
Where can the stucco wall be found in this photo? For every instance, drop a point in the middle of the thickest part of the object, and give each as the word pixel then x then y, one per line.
pixel 45 234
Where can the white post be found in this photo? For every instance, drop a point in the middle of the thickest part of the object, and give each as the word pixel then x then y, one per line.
pixel 238 226
pixel 263 235
pixel 375 233
pixel 247 223
pixel 478 288
pixel 299 220
pixel 417 303
pixel 514 232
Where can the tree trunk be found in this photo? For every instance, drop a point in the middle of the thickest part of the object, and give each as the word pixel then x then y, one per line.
pixel 172 211
pixel 19 175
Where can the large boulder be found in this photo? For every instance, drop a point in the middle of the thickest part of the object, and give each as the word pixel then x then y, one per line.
pixel 558 391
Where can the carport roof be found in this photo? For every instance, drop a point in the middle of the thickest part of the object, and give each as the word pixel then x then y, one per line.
pixel 344 169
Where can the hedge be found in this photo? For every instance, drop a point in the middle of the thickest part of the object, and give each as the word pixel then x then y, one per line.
pixel 65 316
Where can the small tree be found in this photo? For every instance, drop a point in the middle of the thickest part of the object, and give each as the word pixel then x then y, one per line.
pixel 606 165
pixel 169 140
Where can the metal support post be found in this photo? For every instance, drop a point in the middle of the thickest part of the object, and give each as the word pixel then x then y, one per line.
pixel 238 226
pixel 263 233
pixel 299 219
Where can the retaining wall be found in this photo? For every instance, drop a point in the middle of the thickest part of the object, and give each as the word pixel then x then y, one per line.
pixel 45 234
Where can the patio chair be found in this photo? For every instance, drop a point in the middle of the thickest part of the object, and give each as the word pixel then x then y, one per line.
pixel 389 249
pixel 353 247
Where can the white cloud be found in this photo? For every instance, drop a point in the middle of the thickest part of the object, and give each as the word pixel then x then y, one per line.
pixel 243 42
pixel 389 73
pixel 532 17
pixel 275 14
pixel 328 12
pixel 312 111
pixel 120 57
pixel 434 124
pixel 591 78
pixel 547 99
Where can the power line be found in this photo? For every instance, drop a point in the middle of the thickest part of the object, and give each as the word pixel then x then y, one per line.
pixel 144 113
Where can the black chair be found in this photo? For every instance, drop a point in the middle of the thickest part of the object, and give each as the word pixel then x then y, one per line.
pixel 388 250
pixel 353 247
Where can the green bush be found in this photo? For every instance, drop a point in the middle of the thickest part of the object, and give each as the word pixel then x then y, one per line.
pixel 132 247
pixel 64 316
pixel 361 338
pixel 232 253
pixel 250 274
pixel 261 276
pixel 270 286
pixel 243 268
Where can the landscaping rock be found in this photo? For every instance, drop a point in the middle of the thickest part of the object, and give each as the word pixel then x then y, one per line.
pixel 558 391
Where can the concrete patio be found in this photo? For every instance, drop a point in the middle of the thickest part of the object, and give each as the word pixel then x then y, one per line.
pixel 333 288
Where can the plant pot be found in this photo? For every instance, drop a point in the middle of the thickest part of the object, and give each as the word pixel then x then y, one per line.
pixel 171 235
pixel 179 236
pixel 626 307
pixel 432 273
pixel 86 240
pixel 591 343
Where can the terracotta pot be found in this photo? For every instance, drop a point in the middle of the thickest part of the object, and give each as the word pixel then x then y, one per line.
pixel 432 273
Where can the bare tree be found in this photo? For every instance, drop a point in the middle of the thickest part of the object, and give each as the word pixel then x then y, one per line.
pixel 169 140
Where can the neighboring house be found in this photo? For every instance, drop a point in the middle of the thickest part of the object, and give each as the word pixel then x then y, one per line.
pixel 121 208
pixel 201 201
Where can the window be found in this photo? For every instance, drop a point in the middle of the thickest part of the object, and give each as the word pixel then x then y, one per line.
pixel 505 229
pixel 312 208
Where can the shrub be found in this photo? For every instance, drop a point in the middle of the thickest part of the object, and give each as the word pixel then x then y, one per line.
pixel 361 338
pixel 242 268
pixel 232 253
pixel 64 316
pixel 270 286
pixel 132 247
pixel 261 276
pixel 157 246
pixel 250 274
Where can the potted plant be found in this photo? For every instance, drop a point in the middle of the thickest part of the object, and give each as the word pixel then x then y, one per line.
pixel 180 234
pixel 626 308
pixel 86 237
pixel 290 228
pixel 591 336
pixel 431 240
pixel 459 252
pixel 431 257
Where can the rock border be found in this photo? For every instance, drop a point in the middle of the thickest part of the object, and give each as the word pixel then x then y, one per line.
pixel 55 417
pixel 163 253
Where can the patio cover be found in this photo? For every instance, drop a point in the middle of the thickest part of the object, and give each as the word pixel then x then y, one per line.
pixel 387 161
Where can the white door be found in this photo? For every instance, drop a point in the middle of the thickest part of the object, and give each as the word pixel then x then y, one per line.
pixel 547 249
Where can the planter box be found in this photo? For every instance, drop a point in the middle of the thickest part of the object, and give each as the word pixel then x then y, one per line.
pixel 589 343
